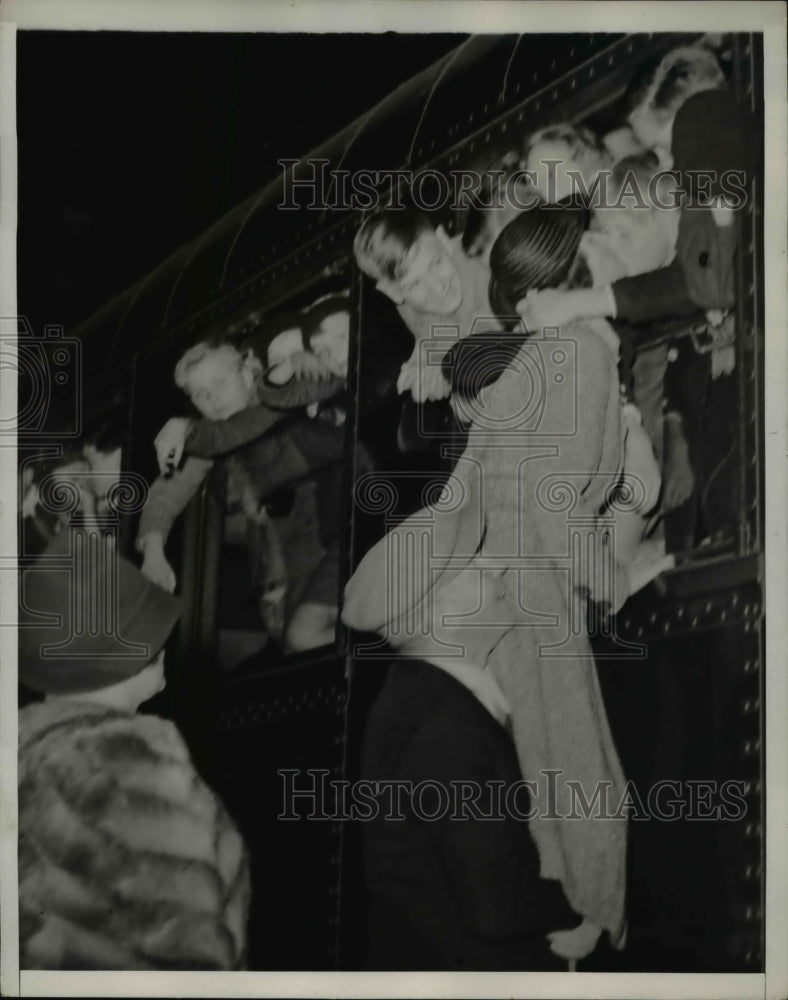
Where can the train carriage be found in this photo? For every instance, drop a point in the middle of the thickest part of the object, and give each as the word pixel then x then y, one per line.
pixel 260 725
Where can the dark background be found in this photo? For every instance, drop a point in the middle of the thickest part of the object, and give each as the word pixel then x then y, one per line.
pixel 130 144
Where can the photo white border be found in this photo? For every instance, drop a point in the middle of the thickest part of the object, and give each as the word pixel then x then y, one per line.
pixel 429 16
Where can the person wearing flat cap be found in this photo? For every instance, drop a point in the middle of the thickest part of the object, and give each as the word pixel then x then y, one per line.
pixel 127 860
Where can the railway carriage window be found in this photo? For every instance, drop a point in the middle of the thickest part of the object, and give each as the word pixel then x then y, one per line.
pixel 677 340
pixel 280 560
pixel 677 358
pixel 261 421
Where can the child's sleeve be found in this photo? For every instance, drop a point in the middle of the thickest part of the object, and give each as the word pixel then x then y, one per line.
pixel 169 497
pixel 300 392
pixel 655 295
pixel 209 438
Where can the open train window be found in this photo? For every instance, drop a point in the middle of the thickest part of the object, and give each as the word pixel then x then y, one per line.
pixel 282 530
pixel 691 378
pixel 265 448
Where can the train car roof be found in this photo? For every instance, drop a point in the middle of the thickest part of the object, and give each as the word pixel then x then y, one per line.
pixel 466 99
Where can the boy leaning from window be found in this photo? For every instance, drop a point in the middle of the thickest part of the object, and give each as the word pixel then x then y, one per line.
pixel 441 296
pixel 262 452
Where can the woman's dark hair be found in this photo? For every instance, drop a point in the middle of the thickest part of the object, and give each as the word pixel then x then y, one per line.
pixel 320 310
pixel 262 338
pixel 479 360
pixel 535 250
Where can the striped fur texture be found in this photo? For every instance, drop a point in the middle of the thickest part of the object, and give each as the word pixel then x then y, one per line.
pixel 127 860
